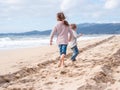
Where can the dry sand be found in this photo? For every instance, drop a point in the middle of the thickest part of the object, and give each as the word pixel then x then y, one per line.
pixel 97 67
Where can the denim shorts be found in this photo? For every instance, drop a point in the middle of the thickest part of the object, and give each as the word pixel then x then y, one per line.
pixel 63 48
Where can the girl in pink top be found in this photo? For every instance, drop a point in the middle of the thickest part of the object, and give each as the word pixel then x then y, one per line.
pixel 61 30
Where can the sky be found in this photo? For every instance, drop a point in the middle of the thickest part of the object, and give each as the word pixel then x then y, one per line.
pixel 28 15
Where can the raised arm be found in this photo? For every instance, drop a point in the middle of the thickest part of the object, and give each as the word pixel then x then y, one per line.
pixel 77 35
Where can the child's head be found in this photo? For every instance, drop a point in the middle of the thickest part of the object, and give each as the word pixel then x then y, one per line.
pixel 60 16
pixel 73 26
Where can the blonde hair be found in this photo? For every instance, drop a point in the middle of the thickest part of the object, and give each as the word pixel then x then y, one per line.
pixel 73 26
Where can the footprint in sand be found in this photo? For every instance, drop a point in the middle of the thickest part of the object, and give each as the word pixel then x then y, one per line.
pixel 27 88
pixel 49 83
pixel 89 87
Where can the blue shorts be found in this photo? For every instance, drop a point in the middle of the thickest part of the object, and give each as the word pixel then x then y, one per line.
pixel 63 48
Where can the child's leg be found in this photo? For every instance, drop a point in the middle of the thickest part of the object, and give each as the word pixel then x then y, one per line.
pixel 62 60
pixel 75 53
pixel 60 49
pixel 63 53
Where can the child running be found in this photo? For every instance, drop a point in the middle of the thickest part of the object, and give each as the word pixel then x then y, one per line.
pixel 61 30
pixel 73 42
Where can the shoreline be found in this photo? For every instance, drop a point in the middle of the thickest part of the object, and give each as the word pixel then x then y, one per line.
pixel 14 60
pixel 14 47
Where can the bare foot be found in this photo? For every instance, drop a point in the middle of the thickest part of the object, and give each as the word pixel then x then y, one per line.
pixel 59 65
pixel 73 63
pixel 62 65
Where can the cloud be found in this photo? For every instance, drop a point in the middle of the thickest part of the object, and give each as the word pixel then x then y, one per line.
pixel 10 1
pixel 111 4
pixel 67 5
pixel 90 8
pixel 81 8
pixel 27 8
pixel 13 1
pixel 23 14
pixel 97 14
pixel 42 13
pixel 8 7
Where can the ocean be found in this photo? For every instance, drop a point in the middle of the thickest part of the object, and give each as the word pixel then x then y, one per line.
pixel 26 41
pixel 12 42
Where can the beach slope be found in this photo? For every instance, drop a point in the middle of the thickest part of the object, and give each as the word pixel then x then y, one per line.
pixel 97 67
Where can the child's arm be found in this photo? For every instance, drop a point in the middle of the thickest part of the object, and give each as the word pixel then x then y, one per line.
pixel 77 35
pixel 52 35
pixel 71 34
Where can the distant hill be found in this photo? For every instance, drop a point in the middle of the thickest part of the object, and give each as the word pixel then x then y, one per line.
pixel 34 32
pixel 86 28
pixel 94 28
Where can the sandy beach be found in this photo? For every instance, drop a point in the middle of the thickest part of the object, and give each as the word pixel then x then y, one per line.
pixel 97 67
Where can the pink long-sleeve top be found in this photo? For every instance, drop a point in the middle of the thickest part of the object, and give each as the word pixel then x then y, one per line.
pixel 62 32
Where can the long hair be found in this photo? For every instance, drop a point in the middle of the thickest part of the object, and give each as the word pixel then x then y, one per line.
pixel 61 17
